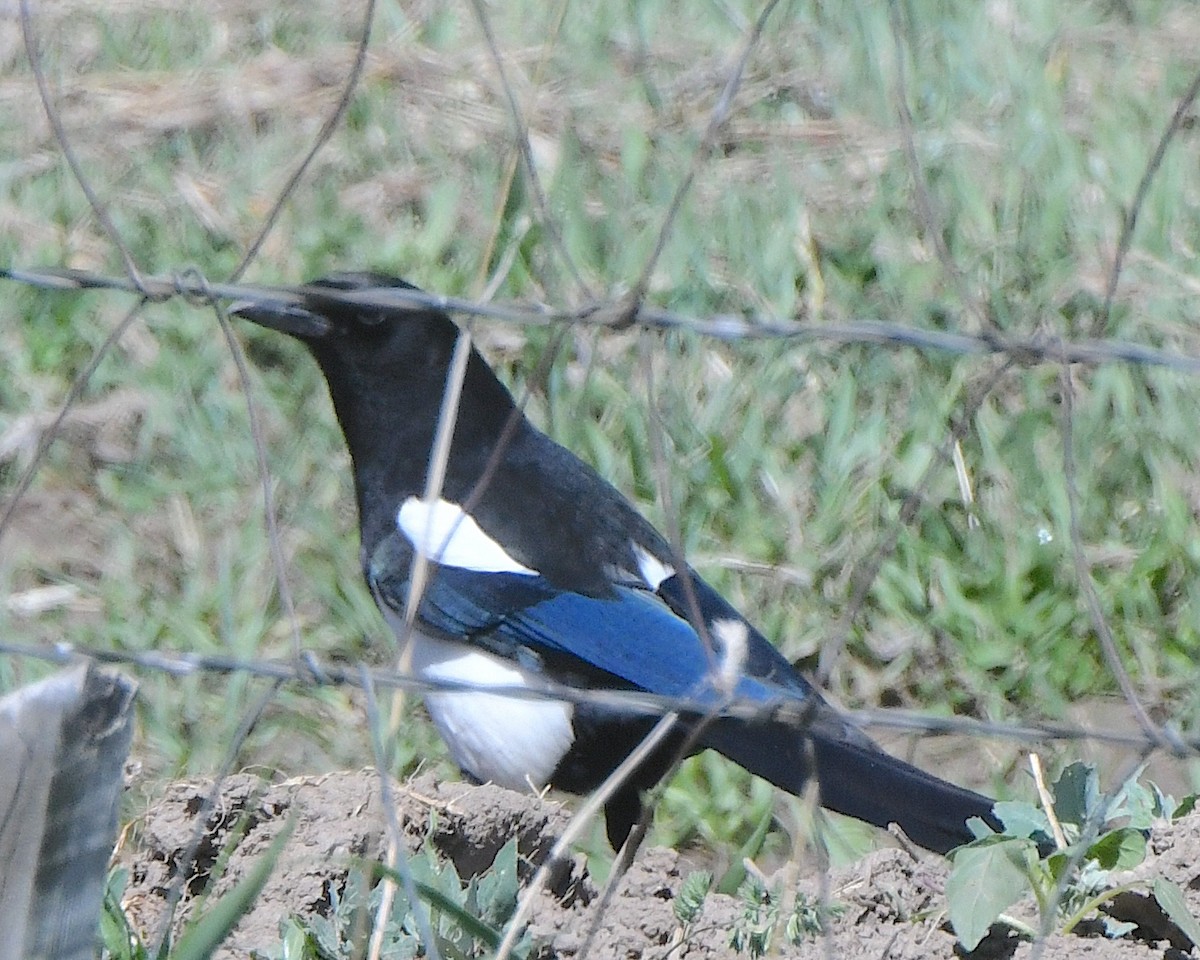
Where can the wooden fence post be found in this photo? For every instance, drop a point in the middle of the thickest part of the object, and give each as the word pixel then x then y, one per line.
pixel 63 744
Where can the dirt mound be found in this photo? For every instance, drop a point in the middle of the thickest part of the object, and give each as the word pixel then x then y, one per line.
pixel 887 905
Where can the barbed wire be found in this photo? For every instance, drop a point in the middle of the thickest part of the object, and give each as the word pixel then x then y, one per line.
pixel 1026 351
pixel 311 671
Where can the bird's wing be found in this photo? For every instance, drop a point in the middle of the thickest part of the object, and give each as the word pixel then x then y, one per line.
pixel 635 637
pixel 695 601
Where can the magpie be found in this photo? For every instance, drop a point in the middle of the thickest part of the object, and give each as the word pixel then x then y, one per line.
pixel 540 572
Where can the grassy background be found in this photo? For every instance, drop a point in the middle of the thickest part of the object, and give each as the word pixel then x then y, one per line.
pixel 1033 123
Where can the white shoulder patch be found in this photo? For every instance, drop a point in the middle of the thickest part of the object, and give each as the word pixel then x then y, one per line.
pixel 653 570
pixel 448 535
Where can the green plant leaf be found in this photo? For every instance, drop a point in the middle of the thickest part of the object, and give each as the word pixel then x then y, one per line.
pixel 199 942
pixel 1142 803
pixel 498 888
pixel 1021 819
pixel 760 909
pixel 471 925
pixel 1115 929
pixel 690 901
pixel 1076 792
pixel 1119 849
pixel 986 879
pixel 299 943
pixel 733 877
pixel 1170 898
pixel 119 939
pixel 492 895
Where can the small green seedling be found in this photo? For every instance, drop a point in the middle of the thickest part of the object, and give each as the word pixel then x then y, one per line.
pixel 1075 879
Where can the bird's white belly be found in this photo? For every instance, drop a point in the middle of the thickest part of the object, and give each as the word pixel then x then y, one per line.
pixel 513 742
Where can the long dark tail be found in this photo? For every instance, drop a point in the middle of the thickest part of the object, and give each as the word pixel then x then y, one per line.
pixel 856 778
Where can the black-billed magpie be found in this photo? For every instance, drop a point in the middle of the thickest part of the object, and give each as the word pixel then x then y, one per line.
pixel 540 570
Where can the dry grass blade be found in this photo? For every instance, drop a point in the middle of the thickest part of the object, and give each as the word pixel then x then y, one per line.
pixel 521 132
pixel 595 802
pixel 396 860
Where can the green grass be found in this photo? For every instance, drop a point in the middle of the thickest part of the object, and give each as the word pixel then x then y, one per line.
pixel 1033 125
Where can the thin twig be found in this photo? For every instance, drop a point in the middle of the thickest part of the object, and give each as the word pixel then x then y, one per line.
pixel 927 214
pixel 1047 801
pixel 716 121
pixel 1083 573
pixel 274 541
pixel 1097 817
pixel 1129 222
pixel 323 136
pixel 51 432
pixel 514 420
pixel 68 151
pixel 637 836
pixel 435 478
pixel 592 806
pixel 420 569
pixel 864 575
pixel 521 134
pixel 397 859
pixel 662 477
pixel 515 160
pixel 184 864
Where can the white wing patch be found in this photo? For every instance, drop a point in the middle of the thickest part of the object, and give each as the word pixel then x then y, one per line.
pixel 514 742
pixel 448 535
pixel 653 570
pixel 733 638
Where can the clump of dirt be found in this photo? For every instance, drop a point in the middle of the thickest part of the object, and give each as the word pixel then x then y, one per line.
pixel 337 822
pixel 887 905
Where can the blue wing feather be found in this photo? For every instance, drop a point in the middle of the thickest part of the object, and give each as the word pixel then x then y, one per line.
pixel 633 635
pixel 763 661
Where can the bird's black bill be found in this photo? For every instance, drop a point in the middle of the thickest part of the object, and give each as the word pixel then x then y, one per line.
pixel 289 318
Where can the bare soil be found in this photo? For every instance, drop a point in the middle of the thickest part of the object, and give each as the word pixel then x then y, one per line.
pixel 887 905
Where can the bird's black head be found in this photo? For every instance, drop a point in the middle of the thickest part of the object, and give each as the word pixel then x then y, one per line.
pixel 372 334
pixel 386 367
pixel 385 361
